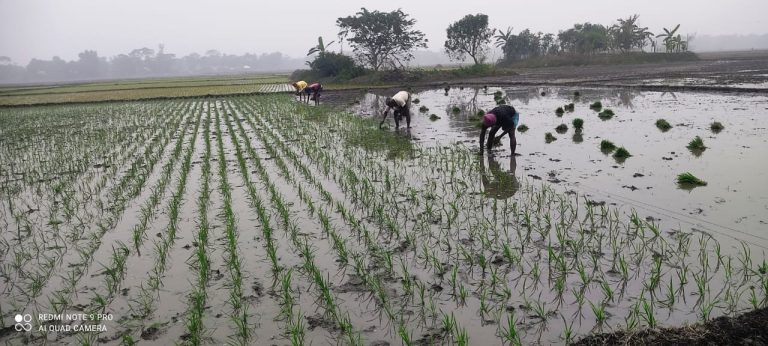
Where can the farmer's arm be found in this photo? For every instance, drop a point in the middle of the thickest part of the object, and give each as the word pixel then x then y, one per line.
pixel 498 138
pixel 386 112
pixel 482 136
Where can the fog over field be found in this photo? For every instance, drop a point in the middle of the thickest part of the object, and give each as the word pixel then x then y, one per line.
pixel 46 28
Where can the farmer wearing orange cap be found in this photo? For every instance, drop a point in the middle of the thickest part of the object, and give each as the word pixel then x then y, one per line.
pixel 502 117
pixel 300 86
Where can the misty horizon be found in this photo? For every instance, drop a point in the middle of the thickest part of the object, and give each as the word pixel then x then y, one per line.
pixel 45 28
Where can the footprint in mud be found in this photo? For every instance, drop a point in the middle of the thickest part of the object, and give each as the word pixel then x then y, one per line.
pixel 152 332
pixel 355 284
pixel 320 321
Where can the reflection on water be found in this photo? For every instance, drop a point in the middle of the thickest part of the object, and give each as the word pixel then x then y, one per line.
pixel 497 182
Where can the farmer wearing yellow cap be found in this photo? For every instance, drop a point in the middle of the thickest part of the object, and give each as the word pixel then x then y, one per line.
pixel 299 87
pixel 502 117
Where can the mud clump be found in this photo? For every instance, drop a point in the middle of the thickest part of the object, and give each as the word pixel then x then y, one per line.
pixel 750 328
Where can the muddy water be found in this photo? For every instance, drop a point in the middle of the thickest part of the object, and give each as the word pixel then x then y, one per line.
pixel 732 207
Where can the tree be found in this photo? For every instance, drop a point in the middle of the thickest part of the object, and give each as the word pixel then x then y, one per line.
pixel 381 38
pixel 502 37
pixel 469 36
pixel 320 46
pixel 584 38
pixel 669 38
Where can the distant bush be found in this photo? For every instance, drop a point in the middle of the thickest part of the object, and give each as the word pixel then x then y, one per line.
pixel 330 66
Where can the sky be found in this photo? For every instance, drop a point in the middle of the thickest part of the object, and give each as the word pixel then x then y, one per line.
pixel 47 28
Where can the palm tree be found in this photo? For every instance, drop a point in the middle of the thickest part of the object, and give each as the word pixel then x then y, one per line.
pixel 320 46
pixel 669 37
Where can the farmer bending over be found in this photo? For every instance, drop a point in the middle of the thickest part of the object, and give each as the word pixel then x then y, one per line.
pixel 299 86
pixel 314 89
pixel 401 103
pixel 502 117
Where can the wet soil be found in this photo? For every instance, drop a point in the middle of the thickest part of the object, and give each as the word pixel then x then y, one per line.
pixel 750 328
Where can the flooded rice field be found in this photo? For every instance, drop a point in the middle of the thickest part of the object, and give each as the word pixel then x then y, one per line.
pixel 260 220
pixel 734 204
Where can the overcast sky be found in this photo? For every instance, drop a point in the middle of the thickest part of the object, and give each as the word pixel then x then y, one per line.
pixel 44 28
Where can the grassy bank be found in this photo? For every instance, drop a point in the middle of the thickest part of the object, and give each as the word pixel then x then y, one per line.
pixel 602 59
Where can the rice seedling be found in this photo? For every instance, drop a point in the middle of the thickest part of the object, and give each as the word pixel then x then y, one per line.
pixel 570 107
pixel 522 128
pixel 621 153
pixel 434 117
pixel 455 110
pixel 606 114
pixel 423 109
pixel 607 146
pixel 578 124
pixel 696 145
pixel 561 129
pixel 688 179
pixel 416 101
pixel 663 125
pixel 559 111
pixel 549 138
pixel 596 106
pixel 716 127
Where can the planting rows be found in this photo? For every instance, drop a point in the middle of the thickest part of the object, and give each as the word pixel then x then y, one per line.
pixel 252 220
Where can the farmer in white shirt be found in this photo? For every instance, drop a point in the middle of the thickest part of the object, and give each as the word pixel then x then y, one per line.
pixel 401 103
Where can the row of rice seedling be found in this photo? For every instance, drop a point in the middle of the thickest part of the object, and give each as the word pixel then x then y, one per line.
pixel 143 305
pixel 310 268
pixel 201 263
pixel 240 315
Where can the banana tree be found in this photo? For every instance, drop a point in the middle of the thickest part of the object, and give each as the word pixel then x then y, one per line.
pixel 320 46
pixel 669 38
pixel 503 37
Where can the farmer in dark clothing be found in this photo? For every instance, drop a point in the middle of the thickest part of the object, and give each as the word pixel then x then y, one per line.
pixel 314 89
pixel 499 184
pixel 502 117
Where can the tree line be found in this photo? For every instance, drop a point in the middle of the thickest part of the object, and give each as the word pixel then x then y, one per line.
pixel 142 62
pixel 386 40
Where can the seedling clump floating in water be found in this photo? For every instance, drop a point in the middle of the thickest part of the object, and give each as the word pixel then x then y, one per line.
pixel 456 110
pixel 607 146
pixel 416 101
pixel 549 138
pixel 663 125
pixel 433 117
pixel 480 112
pixel 689 179
pixel 570 107
pixel 697 144
pixel 621 153
pixel 562 128
pixel 423 109
pixel 559 111
pixel 606 114
pixel 716 127
pixel 597 106
pixel 522 128
pixel 578 124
